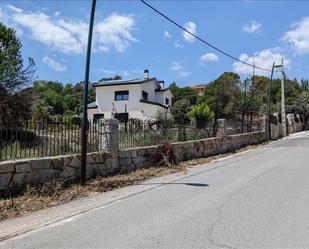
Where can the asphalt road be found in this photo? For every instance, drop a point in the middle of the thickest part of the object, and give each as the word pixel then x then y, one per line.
pixel 257 199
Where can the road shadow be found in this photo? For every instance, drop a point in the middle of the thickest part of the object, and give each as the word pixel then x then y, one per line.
pixel 176 183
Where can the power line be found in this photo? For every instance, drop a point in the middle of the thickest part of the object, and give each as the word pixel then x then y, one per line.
pixel 202 40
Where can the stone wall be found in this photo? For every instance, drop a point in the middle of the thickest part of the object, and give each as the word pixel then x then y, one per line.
pixel 293 125
pixel 137 158
pixel 37 171
pixel 19 173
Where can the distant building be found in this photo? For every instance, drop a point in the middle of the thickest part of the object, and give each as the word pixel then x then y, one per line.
pixel 141 98
pixel 199 88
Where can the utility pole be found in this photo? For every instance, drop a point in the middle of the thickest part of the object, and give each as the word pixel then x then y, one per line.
pixel 282 101
pixel 269 101
pixel 85 115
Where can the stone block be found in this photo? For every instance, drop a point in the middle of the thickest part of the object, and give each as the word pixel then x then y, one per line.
pixel 128 168
pixel 124 154
pixel 138 161
pixel 69 172
pixel 141 152
pixel 133 153
pixel 115 164
pixel 6 167
pixel 42 176
pixel 44 163
pixel 57 163
pixel 123 162
pixel 19 180
pixel 23 167
pixel 75 162
pixel 67 160
pixel 5 180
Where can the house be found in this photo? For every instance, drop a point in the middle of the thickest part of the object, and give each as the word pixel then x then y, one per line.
pixel 141 98
pixel 199 89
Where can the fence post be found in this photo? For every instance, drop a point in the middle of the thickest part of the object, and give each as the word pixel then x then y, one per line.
pixel 266 126
pixel 110 136
pixel 221 132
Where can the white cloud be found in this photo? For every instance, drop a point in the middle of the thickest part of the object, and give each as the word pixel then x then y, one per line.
pixel 263 58
pixel 252 27
pixel 208 57
pixel 107 71
pixel 69 35
pixel 5 18
pixel 177 44
pixel 57 13
pixel 180 70
pixel 298 36
pixel 13 8
pixel 125 73
pixel 166 35
pixel 56 66
pixel 130 72
pixel 115 31
pixel 192 28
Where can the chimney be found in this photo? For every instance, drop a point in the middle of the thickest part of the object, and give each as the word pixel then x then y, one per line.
pixel 146 74
pixel 161 82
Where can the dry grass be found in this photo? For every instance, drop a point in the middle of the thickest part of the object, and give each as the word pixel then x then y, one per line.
pixel 33 199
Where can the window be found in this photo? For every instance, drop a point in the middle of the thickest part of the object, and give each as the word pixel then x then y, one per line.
pixel 97 117
pixel 121 95
pixel 167 101
pixel 144 96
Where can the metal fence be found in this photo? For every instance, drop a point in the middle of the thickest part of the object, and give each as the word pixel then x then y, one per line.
pixel 43 138
pixel 136 133
pixel 238 127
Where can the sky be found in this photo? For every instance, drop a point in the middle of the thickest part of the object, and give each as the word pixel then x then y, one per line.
pixel 129 37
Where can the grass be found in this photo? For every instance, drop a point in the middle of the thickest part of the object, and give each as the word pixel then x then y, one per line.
pixel 33 199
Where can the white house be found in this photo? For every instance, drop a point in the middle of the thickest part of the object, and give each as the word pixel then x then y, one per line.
pixel 141 98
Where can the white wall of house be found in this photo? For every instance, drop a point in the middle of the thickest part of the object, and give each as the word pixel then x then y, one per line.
pixel 150 87
pixel 162 95
pixel 92 111
pixel 151 111
pixel 105 100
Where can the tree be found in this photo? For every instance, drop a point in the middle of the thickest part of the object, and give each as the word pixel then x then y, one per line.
pixel 61 99
pixel 183 93
pixel 14 105
pixel 40 113
pixel 201 112
pixel 223 95
pixel 116 77
pixel 180 110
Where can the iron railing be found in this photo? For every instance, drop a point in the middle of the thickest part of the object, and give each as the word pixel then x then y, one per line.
pixel 136 133
pixel 44 138
pixel 48 138
pixel 238 127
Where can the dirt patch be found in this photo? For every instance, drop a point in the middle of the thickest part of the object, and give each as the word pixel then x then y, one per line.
pixel 33 199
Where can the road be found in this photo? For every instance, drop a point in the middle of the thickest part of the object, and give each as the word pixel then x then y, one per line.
pixel 257 199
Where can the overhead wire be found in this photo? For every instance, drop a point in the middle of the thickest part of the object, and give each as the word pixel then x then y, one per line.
pixel 202 40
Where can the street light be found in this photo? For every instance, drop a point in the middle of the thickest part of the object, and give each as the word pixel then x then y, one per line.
pixel 282 100
pixel 85 116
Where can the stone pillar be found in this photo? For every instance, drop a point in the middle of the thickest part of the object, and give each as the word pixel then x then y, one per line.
pixel 109 136
pixel 221 132
pixel 265 126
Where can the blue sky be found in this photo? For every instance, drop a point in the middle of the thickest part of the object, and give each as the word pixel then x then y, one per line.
pixel 129 38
